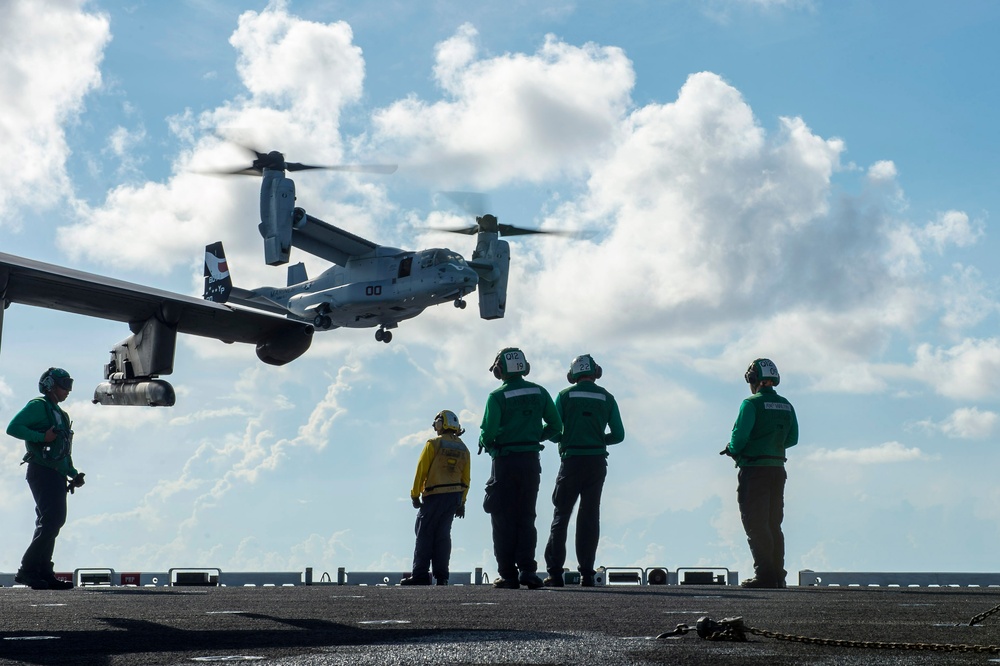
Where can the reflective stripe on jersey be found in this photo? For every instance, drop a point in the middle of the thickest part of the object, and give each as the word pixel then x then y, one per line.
pixel 516 393
pixel 586 394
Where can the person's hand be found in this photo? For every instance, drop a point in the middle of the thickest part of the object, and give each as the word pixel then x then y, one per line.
pixel 460 511
pixel 416 502
pixel 50 435
pixel 75 483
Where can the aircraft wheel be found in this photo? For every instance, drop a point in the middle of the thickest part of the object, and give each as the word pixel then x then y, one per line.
pixel 387 337
pixel 460 304
pixel 380 335
pixel 322 321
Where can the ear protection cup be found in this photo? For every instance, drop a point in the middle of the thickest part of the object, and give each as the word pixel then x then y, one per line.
pixel 54 377
pixel 46 382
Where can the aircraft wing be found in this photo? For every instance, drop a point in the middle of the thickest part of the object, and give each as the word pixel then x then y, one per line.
pixel 329 242
pixel 48 286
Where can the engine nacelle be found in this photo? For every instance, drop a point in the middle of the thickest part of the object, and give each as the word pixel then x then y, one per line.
pixel 284 347
pixel 493 287
pixel 277 207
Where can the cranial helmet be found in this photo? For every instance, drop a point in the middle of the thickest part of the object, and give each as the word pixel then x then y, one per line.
pixel 448 421
pixel 761 369
pixel 510 362
pixel 583 366
pixel 54 377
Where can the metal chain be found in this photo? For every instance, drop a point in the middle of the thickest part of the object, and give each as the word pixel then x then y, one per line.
pixel 878 645
pixel 982 616
pixel 733 629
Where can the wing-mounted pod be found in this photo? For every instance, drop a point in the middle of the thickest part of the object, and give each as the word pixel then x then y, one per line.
pixel 285 346
pixel 135 363
pixel 491 260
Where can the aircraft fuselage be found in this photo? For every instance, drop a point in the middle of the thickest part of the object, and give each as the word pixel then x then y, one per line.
pixel 381 288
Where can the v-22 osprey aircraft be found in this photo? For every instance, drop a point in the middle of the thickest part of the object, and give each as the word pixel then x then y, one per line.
pixel 370 285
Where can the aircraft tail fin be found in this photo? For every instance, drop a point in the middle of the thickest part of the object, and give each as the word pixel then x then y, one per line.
pixel 297 274
pixel 218 283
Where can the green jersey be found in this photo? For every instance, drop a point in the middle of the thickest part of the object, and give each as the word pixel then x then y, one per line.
pixel 587 410
pixel 765 427
pixel 31 424
pixel 514 416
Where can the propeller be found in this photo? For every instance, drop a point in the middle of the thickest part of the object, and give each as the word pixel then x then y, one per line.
pixel 474 203
pixel 276 160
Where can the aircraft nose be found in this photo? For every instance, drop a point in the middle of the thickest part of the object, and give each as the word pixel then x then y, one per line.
pixel 463 274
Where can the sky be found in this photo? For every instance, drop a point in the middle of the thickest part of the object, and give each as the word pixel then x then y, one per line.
pixel 804 180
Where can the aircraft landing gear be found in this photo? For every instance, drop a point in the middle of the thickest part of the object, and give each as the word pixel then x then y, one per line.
pixel 322 321
pixel 460 303
pixel 383 335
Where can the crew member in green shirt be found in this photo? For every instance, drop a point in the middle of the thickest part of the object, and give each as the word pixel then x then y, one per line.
pixel 587 411
pixel 48 437
pixel 765 427
pixel 518 417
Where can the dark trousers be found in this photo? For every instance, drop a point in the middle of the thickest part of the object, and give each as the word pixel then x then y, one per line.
pixel 48 487
pixel 512 491
pixel 433 529
pixel 761 496
pixel 579 477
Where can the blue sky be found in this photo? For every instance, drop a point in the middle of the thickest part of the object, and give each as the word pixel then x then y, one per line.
pixel 809 181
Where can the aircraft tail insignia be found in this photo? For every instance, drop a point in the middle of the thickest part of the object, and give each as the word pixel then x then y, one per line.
pixel 218 284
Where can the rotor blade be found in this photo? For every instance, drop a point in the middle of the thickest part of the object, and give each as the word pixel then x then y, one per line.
pixel 468 231
pixel 511 230
pixel 296 166
pixel 354 168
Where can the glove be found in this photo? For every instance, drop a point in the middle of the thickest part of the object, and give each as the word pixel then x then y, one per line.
pixel 725 452
pixel 416 502
pixel 75 483
pixel 460 512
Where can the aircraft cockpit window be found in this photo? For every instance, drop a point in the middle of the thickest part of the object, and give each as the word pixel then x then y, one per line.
pixel 447 257
pixel 405 266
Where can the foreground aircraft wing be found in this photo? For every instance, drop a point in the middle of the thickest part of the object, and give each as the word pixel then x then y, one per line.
pixel 48 286
pixel 329 242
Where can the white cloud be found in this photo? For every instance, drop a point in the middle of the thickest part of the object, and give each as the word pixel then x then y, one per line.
pixel 969 370
pixel 510 118
pixel 50 62
pixel 887 453
pixel 967 299
pixel 286 64
pixel 965 423
pixel 882 171
pixel 952 228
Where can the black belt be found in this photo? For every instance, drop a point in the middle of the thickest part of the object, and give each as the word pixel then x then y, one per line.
pixel 498 445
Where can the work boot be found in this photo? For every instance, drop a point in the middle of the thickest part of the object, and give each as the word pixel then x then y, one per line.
pixel 415 580
pixel 441 581
pixel 554 581
pixel 530 580
pixel 760 583
pixel 504 584
pixel 31 579
pixel 587 580
pixel 55 583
